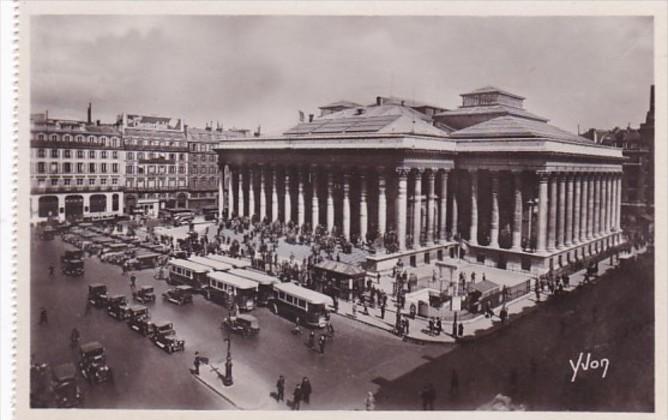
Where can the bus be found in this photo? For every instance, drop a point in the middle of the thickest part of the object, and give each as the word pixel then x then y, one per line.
pixel 292 301
pixel 187 272
pixel 265 283
pixel 211 263
pixel 225 288
pixel 235 262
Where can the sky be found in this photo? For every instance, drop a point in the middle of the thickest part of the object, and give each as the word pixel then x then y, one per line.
pixel 245 71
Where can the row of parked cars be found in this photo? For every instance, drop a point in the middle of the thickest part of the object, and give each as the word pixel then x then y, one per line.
pixel 137 316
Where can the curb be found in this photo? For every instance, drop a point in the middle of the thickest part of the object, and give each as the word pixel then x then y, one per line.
pixel 225 397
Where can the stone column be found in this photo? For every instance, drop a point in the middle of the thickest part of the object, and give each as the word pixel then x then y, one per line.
pixel 364 209
pixel 263 194
pixel 611 203
pixel 561 224
pixel 517 214
pixel 330 202
pixel 454 228
pixel 346 206
pixel 568 204
pixel 590 206
pixel 287 216
pixel 382 204
pixel 577 217
pixel 597 206
pixel 443 224
pixel 431 178
pixel 604 204
pixel 251 193
pixel 618 205
pixel 221 194
pixel 300 197
pixel 402 204
pixel 473 232
pixel 315 208
pixel 552 219
pixel 494 220
pixel 274 194
pixel 242 209
pixel 541 235
pixel 417 209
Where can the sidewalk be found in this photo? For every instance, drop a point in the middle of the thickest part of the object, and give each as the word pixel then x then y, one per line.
pixel 473 327
pixel 248 392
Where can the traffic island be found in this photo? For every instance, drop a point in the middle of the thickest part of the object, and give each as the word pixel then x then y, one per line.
pixel 248 391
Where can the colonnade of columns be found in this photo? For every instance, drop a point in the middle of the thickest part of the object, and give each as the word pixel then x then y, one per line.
pixel 571 207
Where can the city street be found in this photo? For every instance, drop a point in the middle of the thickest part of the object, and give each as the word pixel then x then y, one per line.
pixel 359 357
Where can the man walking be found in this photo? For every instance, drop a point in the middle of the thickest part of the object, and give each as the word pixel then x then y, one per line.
pixel 296 397
pixel 321 343
pixel 382 310
pixel 306 390
pixel 196 363
pixel 42 316
pixel 280 388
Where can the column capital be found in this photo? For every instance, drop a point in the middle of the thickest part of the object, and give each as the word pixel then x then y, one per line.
pixel 419 171
pixel 543 176
pixel 431 174
pixel 402 171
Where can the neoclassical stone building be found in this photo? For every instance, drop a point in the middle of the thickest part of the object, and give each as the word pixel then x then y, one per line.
pixel 489 180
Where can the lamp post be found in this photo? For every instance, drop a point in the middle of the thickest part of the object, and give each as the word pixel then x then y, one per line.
pixel 533 205
pixel 227 379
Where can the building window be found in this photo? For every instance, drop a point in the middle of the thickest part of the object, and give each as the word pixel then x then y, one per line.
pixel 114 168
pixel 172 169
pixel 128 169
pixel 103 181
pixel 114 155
pixel 103 154
pixel 91 154
pixel 67 181
pixel 41 168
pixel 129 155
pixel 54 153
pixel 41 153
pixel 67 153
pixel 53 168
pixel 54 137
pixel 194 169
pixel 182 169
pixel 79 139
pixel 91 181
pixel 54 182
pixel 91 139
pixel 91 168
pixel 67 167
pixel 103 168
pixel 140 155
pixel 80 168
pixel 80 181
pixel 80 154
pixel 67 137
pixel 182 156
pixel 40 137
pixel 114 181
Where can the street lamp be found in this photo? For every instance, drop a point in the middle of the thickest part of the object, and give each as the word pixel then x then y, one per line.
pixel 227 379
pixel 533 205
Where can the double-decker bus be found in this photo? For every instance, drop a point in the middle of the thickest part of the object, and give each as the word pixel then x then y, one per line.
pixel 292 301
pixel 211 263
pixel 265 283
pixel 187 272
pixel 234 262
pixel 226 289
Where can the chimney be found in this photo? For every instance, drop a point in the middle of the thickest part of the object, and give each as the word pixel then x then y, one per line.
pixel 595 135
pixel 651 98
pixel 208 127
pixel 379 100
pixel 310 117
pixel 97 122
pixel 90 113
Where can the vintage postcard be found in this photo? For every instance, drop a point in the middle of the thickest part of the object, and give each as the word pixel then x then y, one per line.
pixel 243 209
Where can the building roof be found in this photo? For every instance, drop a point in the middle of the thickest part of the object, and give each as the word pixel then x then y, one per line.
pixel 238 282
pixel 339 104
pixel 309 295
pixel 501 109
pixel 208 262
pixel 214 136
pixel 340 268
pixel 492 89
pixel 395 100
pixel 513 127
pixel 198 268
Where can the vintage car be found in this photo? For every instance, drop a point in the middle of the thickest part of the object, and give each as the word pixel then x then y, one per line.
pixel 47 233
pixel 179 295
pixel 165 337
pixel 145 294
pixel 97 295
pixel 93 363
pixel 66 392
pixel 117 307
pixel 73 267
pixel 71 255
pixel 139 320
pixel 243 324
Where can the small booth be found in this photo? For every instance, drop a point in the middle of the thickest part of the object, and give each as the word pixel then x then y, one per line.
pixel 339 279
pixel 482 293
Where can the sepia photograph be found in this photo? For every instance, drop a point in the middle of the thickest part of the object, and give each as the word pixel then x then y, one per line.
pixel 354 212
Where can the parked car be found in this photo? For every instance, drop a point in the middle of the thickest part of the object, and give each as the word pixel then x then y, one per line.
pixel 73 267
pixel 145 294
pixel 117 307
pixel 97 295
pixel 243 324
pixel 93 363
pixel 66 392
pixel 179 295
pixel 165 337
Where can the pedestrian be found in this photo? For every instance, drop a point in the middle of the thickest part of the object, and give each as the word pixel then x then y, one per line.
pixel 378 278
pixel 280 388
pixel 296 397
pixel 306 390
pixel 439 326
pixel 428 395
pixel 370 402
pixel 503 314
pixel 133 282
pixel 461 330
pixel 431 326
pixel 354 309
pixel 321 342
pixel 406 326
pixel 43 319
pixel 538 293
pixel 382 311
pixel 311 340
pixel 196 363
